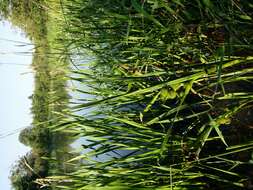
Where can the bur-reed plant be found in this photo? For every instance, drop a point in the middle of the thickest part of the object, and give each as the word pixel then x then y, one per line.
pixel 171 88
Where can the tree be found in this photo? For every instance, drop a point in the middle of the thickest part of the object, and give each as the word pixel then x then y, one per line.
pixel 26 170
pixel 22 175
pixel 27 136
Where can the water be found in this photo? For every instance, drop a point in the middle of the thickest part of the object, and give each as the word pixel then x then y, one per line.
pixel 16 85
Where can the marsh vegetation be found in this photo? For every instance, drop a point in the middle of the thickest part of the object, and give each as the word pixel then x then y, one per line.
pixel 165 92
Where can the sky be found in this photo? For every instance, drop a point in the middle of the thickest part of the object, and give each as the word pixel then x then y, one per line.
pixel 16 85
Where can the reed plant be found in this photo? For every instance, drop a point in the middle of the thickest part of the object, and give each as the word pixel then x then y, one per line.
pixel 170 94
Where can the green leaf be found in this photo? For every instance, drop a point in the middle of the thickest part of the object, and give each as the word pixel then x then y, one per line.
pixel 141 10
pixel 168 94
pixel 216 125
pixel 207 3
pixel 152 102
pixel 245 17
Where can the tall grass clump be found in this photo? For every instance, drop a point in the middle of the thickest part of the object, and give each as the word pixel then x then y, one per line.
pixel 171 93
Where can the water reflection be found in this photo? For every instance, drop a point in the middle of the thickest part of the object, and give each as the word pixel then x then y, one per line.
pixel 16 84
pixel 49 149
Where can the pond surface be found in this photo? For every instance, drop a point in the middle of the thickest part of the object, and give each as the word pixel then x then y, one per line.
pixel 16 85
